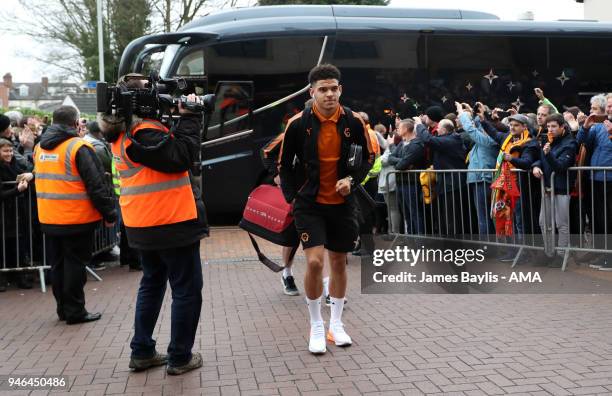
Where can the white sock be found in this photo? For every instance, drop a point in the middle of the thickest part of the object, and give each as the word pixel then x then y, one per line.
pixel 337 306
pixel 326 286
pixel 314 307
pixel 287 272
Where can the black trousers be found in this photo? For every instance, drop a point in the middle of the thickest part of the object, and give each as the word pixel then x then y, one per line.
pixel 182 267
pixel 68 255
pixel 127 255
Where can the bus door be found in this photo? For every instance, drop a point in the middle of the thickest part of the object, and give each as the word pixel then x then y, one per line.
pixel 228 146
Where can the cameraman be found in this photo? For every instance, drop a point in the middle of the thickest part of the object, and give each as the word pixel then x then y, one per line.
pixel 164 218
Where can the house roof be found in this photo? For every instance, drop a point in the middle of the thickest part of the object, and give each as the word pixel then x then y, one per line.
pixel 50 106
pixel 36 91
pixel 85 102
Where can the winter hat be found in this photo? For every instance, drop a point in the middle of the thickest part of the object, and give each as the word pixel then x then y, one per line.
pixel 435 113
pixel 520 118
pixel 5 122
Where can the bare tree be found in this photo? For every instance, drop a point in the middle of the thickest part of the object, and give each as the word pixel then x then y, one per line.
pixel 176 13
pixel 69 27
pixel 73 25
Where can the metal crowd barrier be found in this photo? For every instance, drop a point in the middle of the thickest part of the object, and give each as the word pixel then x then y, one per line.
pixel 23 243
pixel 105 238
pixel 452 211
pixel 589 219
pixel 21 238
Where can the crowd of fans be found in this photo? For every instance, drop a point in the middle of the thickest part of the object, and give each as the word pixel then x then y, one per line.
pixel 483 172
pixel 21 241
pixel 467 180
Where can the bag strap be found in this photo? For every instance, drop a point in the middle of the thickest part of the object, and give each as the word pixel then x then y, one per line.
pixel 349 115
pixel 266 261
pixel 305 119
pixel 364 194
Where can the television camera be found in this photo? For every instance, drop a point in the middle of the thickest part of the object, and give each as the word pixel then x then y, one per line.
pixel 154 98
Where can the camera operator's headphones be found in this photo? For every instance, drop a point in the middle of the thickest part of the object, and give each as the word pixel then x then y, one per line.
pixel 124 80
pixel 142 90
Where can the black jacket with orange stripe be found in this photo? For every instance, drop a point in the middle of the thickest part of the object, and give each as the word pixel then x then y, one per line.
pixel 301 141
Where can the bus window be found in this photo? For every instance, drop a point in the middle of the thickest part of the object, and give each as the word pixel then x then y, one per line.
pixel 151 60
pixel 586 62
pixel 458 65
pixel 232 108
pixel 253 49
pixel 277 66
pixel 192 64
pixel 377 70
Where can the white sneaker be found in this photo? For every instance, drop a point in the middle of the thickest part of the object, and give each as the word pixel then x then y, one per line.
pixel 316 344
pixel 337 335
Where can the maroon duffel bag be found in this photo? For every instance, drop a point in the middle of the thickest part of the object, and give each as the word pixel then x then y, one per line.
pixel 269 216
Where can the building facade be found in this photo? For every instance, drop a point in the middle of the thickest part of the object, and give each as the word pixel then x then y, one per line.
pixel 600 10
pixel 42 95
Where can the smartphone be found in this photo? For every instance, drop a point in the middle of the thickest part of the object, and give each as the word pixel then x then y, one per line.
pixel 600 118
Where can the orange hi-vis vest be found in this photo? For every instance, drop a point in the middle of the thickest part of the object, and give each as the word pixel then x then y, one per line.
pixel 374 140
pixel 147 197
pixel 60 191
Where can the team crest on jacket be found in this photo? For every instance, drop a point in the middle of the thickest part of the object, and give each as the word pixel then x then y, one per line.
pixel 305 237
pixel 347 132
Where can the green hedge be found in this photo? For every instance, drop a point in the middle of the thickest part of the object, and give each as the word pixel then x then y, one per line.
pixel 40 113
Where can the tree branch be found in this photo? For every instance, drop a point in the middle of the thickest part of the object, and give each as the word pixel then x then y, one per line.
pixel 58 64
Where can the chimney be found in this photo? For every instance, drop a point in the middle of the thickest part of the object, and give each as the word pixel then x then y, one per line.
pixel 8 80
pixel 45 83
pixel 4 97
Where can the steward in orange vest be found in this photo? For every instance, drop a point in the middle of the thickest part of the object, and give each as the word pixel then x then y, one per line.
pixel 72 198
pixel 160 206
pixel 71 192
pixel 164 220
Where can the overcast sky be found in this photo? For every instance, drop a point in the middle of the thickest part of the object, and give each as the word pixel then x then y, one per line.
pixel 15 49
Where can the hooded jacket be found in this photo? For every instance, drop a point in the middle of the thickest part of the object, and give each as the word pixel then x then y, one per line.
pixel 91 172
pixel 407 156
pixel 483 153
pixel 448 153
pixel 102 151
pixel 12 199
pixel 386 169
pixel 561 156
pixel 597 141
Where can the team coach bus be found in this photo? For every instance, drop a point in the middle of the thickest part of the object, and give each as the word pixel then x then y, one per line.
pixel 393 60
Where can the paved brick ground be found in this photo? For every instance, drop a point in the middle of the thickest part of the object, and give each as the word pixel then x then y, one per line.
pixel 254 339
